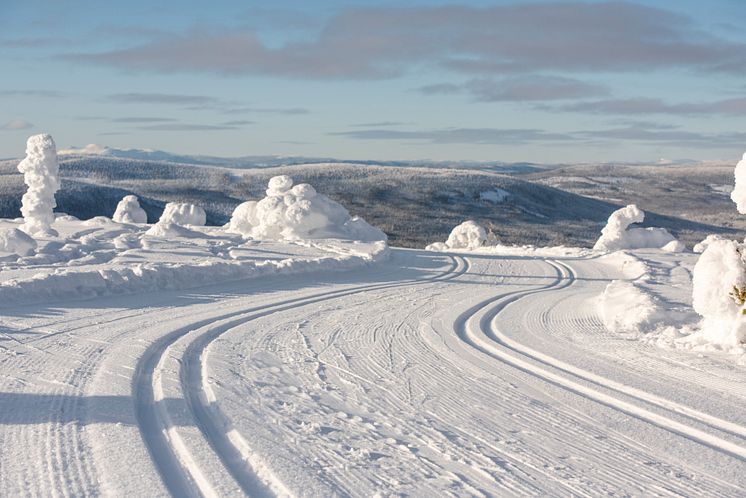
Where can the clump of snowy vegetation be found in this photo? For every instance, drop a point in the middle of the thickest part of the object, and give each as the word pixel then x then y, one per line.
pixel 701 246
pixel 129 211
pixel 739 192
pixel 41 174
pixel 183 214
pixel 298 212
pixel 14 241
pixel 467 235
pixel 625 308
pixel 719 292
pixel 617 235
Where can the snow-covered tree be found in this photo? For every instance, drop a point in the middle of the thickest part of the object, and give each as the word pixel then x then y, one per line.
pixel 41 174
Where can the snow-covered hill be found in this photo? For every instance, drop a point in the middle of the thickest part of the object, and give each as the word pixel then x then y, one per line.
pixel 413 205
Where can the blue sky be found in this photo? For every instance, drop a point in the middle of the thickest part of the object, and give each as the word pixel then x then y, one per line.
pixel 500 80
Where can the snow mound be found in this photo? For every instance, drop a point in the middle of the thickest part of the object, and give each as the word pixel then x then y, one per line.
pixel 617 235
pixel 298 212
pixel 719 291
pixel 129 211
pixel 42 176
pixel 15 241
pixel 674 246
pixel 701 246
pixel 183 214
pixel 467 235
pixel 495 196
pixel 739 192
pixel 626 308
pixel 168 229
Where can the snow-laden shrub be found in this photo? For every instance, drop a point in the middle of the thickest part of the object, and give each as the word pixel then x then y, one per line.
pixel 719 292
pixel 626 308
pixel 42 176
pixel 617 235
pixel 739 192
pixel 467 235
pixel 701 246
pixel 183 214
pixel 298 212
pixel 129 211
pixel 17 242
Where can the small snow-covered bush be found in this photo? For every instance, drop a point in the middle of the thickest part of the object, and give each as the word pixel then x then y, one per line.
pixel 298 212
pixel 17 242
pixel 718 292
pixel 42 176
pixel 183 214
pixel 626 308
pixel 739 192
pixel 467 235
pixel 129 211
pixel 617 235
pixel 701 246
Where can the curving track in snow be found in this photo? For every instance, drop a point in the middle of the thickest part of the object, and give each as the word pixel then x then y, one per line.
pixel 427 375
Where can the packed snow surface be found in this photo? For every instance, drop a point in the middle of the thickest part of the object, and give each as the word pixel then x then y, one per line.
pixel 467 235
pixel 617 235
pixel 338 372
pixel 291 212
pixel 183 214
pixel 129 211
pixel 739 192
pixel 41 174
pixel 15 241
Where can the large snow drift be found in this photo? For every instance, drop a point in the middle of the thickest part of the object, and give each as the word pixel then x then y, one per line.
pixel 739 192
pixel 129 211
pixel 183 214
pixel 14 241
pixel 617 235
pixel 298 212
pixel 467 235
pixel 719 292
pixel 41 174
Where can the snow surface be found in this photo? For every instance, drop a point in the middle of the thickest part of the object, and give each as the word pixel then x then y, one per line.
pixel 15 241
pixel 495 196
pixel 298 212
pixel 41 175
pixel 423 374
pixel 617 235
pixel 129 211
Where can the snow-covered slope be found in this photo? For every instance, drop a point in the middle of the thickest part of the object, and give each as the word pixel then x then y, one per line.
pixel 426 374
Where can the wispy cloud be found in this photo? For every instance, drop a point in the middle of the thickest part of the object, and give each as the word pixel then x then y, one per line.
pixel 239 122
pixel 735 106
pixel 201 102
pixel 383 42
pixel 376 124
pixel 16 124
pixel 186 127
pixel 32 93
pixel 162 98
pixel 484 136
pixel 142 119
pixel 520 89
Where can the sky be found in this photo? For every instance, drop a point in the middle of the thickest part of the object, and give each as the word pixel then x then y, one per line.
pixel 506 81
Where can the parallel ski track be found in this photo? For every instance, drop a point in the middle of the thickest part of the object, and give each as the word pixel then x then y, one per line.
pixel 179 472
pixel 477 327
